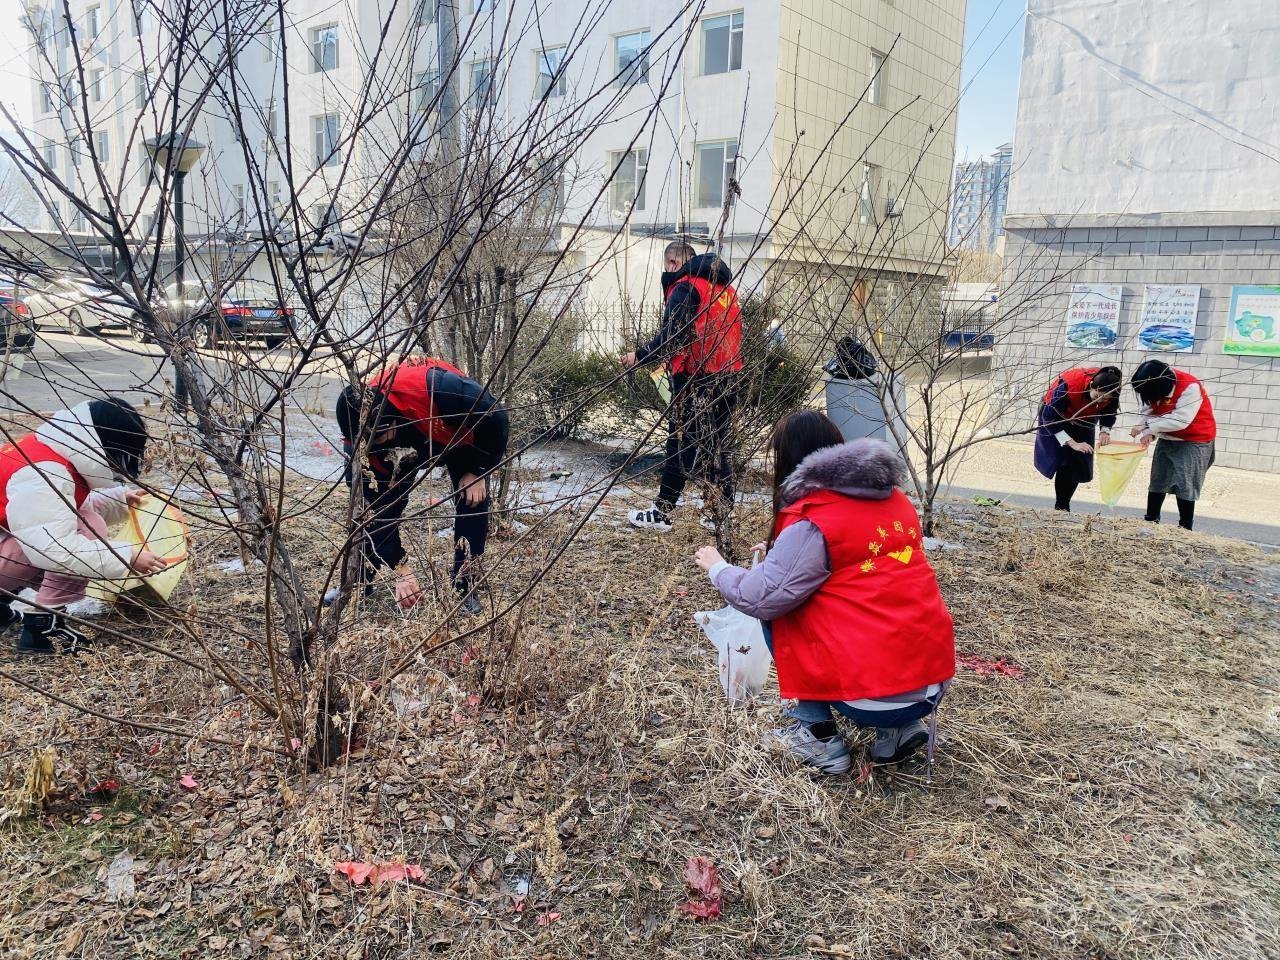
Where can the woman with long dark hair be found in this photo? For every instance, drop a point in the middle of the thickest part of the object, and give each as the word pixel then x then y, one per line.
pixel 853 612
pixel 1079 400
pixel 1177 415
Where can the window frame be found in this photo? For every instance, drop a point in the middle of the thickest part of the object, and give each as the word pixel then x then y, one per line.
pixel 877 71
pixel 93 21
pixel 472 87
pixel 424 80
pixel 739 31
pixel 102 145
pixel 50 154
pixel 557 81
pixel 622 77
pixel 639 177
pixel 318 51
pixel 421 7
pixel 46 99
pixel 727 169
pixel 97 85
pixel 868 193
pixel 328 154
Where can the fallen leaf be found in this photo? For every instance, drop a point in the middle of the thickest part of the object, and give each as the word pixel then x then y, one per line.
pixel 188 782
pixel 997 804
pixel 120 883
pixel 703 879
pixel 93 817
pixel 108 786
pixel 546 919
pixel 1009 943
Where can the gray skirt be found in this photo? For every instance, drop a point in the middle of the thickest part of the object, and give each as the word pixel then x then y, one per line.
pixel 1178 467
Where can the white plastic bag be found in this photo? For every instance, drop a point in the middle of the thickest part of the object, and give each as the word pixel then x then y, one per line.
pixel 744 658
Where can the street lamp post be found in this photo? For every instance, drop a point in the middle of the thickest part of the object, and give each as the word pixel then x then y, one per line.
pixel 179 153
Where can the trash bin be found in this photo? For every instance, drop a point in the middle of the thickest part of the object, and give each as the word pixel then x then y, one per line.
pixel 857 409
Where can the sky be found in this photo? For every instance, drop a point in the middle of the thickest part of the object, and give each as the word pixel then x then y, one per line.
pixel 989 77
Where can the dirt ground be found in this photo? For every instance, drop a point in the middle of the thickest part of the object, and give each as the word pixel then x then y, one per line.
pixel 1108 791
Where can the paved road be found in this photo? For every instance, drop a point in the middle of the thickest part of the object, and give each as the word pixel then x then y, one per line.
pixel 65 369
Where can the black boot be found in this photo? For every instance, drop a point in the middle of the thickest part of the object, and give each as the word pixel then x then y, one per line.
pixel 47 634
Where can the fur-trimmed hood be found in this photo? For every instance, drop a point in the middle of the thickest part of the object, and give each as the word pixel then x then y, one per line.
pixel 866 468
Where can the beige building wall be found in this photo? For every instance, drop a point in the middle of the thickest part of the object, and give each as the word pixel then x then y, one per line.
pixel 830 125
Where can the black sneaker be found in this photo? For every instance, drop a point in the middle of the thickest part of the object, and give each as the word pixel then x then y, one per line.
pixel 651 519
pixel 47 635
pixel 469 604
pixel 8 617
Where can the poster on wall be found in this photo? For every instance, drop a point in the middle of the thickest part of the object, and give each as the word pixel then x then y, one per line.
pixel 1093 317
pixel 1253 322
pixel 1169 317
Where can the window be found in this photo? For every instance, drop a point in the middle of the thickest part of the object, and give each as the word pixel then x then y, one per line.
pixel 426 89
pixel 141 19
pixel 273 195
pixel 77 220
pixel 424 13
pixel 74 153
pixel 326 216
pixel 483 6
pixel 102 146
pixel 270 43
pixel 875 87
pixel 324 48
pixel 629 168
pixel 50 156
pixel 93 22
pixel 142 88
pixel 870 190
pixel 46 99
pixel 237 200
pixel 481 80
pixel 550 81
pixel 631 58
pixel 325 135
pixel 97 85
pixel 273 118
pixel 722 43
pixel 715 165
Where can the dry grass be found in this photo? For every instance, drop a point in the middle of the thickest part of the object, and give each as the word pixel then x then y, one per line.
pixel 1117 802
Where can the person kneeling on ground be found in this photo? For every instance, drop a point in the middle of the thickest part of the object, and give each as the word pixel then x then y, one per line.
pixel 1178 416
pixel 418 415
pixel 1079 399
pixel 58 495
pixel 853 613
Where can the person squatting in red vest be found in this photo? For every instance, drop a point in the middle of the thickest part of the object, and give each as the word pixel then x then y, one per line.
pixel 1078 399
pixel 417 415
pixel 1176 413
pixel 701 339
pixel 59 491
pixel 850 605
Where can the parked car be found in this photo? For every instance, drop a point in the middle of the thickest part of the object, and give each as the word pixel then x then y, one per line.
pixel 19 330
pixel 195 302
pixel 248 310
pixel 76 305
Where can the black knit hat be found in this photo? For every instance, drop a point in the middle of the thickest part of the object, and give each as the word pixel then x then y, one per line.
pixel 347 412
pixel 122 433
pixel 1153 380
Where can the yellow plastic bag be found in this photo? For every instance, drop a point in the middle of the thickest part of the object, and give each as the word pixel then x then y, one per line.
pixel 662 384
pixel 1116 463
pixel 161 528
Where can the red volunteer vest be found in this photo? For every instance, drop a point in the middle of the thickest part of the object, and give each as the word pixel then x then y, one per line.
pixel 1078 403
pixel 31 451
pixel 716 345
pixel 878 625
pixel 408 389
pixel 1204 427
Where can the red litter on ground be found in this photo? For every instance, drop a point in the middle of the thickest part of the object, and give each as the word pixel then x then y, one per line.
pixel 987 668
pixel 358 872
pixel 703 880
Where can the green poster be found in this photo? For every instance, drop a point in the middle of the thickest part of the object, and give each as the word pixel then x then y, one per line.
pixel 1253 322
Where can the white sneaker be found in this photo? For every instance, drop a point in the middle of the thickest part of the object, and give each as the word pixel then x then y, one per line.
pixel 651 519
pixel 895 744
pixel 797 739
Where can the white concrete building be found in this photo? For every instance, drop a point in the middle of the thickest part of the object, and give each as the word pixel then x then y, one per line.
pixel 836 119
pixel 1147 153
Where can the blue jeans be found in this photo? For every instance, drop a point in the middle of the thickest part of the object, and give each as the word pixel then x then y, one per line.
pixel 819 711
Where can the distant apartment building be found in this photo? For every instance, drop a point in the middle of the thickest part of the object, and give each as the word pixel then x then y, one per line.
pixel 978 200
pixel 833 119
pixel 1147 171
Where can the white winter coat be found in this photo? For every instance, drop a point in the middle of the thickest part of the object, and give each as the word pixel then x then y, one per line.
pixel 41 512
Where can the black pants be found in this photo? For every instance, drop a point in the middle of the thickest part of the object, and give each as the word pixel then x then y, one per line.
pixel 699 436
pixel 386 501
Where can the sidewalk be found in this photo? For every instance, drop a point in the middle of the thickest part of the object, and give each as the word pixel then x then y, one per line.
pixel 1235 503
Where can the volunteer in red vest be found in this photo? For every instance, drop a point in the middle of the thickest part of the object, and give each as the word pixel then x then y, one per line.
pixel 59 492
pixel 1079 400
pixel 418 415
pixel 851 607
pixel 1176 413
pixel 701 339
